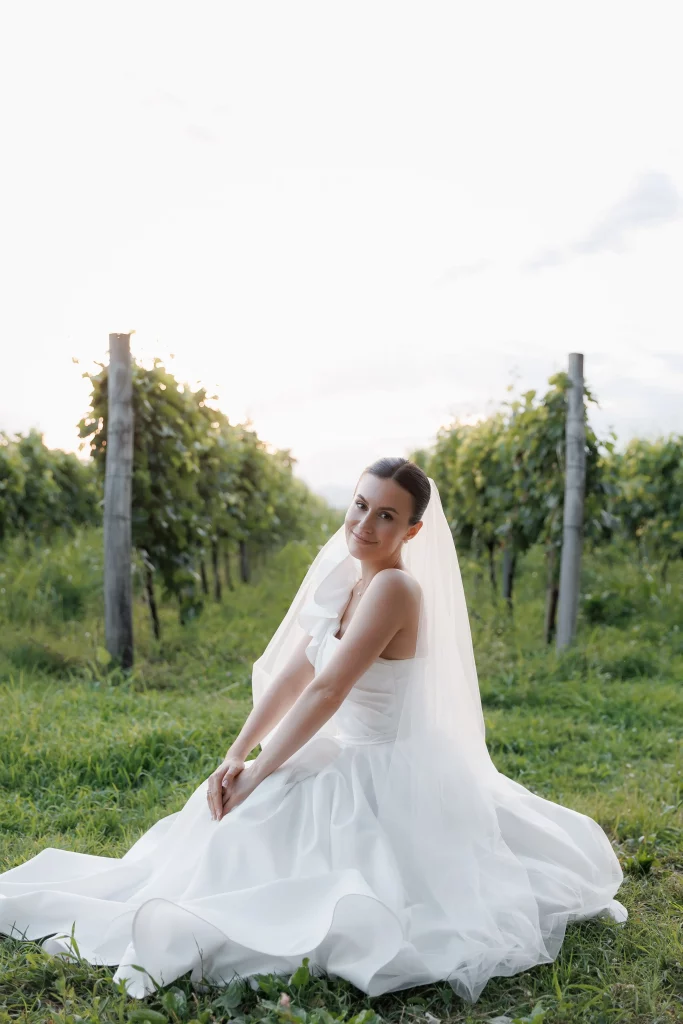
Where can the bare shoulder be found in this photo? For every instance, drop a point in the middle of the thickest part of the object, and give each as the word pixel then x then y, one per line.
pixel 397 583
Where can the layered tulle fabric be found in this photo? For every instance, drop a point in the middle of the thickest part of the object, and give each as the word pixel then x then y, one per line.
pixel 305 868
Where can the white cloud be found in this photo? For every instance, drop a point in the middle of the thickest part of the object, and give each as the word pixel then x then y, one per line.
pixel 652 201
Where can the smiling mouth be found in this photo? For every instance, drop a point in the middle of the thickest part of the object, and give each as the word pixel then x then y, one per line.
pixel 362 540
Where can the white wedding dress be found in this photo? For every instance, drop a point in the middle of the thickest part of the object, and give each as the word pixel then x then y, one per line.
pixel 302 868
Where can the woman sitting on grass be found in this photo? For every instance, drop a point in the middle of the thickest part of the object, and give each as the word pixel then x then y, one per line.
pixel 372 833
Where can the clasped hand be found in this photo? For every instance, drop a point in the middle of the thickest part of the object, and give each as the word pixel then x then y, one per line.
pixel 229 786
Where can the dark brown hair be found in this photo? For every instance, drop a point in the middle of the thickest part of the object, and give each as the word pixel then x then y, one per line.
pixel 409 476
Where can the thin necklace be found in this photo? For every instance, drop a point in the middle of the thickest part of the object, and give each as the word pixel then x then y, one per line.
pixel 359 582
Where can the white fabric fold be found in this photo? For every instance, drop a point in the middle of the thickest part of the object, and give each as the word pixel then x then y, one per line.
pixel 327 603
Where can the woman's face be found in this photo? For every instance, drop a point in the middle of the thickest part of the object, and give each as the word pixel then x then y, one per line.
pixel 376 522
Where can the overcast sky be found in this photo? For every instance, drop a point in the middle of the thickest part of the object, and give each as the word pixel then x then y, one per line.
pixel 352 220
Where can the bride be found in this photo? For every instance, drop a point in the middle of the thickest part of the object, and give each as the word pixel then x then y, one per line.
pixel 372 833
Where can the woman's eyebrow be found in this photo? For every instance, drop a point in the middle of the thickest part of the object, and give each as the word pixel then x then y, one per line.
pixel 389 507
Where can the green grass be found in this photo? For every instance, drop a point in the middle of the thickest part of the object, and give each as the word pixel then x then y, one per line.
pixel 89 759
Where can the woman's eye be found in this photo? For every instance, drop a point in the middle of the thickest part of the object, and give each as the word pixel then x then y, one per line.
pixel 360 504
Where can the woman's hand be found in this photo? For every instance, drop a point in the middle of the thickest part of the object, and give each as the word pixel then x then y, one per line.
pixel 240 788
pixel 221 782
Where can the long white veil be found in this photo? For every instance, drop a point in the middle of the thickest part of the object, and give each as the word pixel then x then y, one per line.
pixel 504 868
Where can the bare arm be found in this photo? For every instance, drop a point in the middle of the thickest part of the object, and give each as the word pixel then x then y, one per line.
pixel 385 608
pixel 276 701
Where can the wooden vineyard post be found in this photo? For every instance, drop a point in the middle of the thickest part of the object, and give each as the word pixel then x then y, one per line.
pixel 118 485
pixel 574 491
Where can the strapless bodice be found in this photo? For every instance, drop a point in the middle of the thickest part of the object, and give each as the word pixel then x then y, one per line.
pixel 370 711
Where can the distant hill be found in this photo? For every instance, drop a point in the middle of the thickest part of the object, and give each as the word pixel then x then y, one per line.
pixel 337 495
